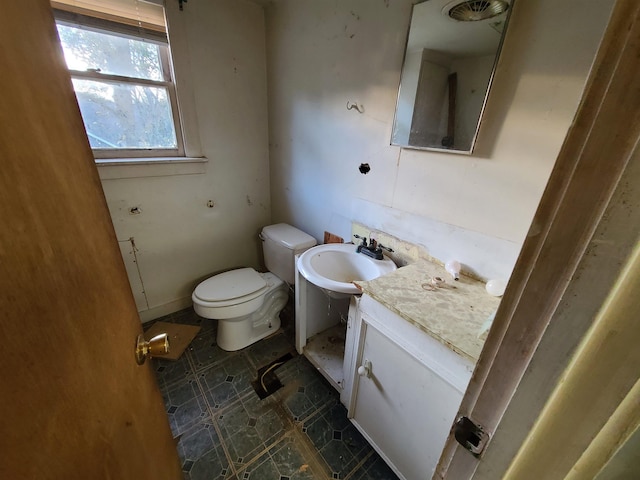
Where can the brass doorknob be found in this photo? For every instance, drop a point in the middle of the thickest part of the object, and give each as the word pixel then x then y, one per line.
pixel 158 345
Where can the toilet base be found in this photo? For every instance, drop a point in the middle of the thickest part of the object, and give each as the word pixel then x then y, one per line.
pixel 238 333
pixel 234 336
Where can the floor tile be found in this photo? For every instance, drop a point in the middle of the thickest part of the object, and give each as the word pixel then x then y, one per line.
pixel 340 444
pixel 283 461
pixel 212 465
pixel 204 352
pixel 249 426
pixel 306 391
pixel 269 349
pixel 171 372
pixel 374 468
pixel 197 440
pixel 227 381
pixel 179 393
pixel 319 432
pixel 224 431
pixel 184 416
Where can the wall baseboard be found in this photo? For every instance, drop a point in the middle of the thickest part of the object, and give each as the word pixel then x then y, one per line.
pixel 166 309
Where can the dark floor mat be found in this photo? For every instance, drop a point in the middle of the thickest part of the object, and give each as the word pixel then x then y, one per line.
pixel 267 381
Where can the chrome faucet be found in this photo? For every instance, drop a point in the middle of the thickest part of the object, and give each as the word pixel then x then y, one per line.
pixel 373 249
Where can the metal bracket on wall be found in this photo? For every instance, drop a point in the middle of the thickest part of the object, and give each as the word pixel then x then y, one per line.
pixel 358 108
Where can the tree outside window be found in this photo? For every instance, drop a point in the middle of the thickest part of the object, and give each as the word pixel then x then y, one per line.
pixel 124 91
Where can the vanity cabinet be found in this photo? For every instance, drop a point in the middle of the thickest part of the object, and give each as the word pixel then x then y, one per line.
pixel 400 355
pixel 405 388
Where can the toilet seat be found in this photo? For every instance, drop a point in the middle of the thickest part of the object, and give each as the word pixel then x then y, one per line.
pixel 231 288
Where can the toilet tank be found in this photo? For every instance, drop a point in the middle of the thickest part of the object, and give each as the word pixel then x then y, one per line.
pixel 281 243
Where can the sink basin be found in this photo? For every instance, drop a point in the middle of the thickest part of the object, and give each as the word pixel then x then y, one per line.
pixel 334 266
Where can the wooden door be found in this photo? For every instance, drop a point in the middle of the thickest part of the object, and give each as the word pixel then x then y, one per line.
pixel 74 402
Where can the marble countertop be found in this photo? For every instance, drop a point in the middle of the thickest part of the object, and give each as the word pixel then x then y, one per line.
pixel 452 313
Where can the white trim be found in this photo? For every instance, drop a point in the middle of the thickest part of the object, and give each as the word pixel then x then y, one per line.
pixel 115 168
pixel 110 28
pixel 166 309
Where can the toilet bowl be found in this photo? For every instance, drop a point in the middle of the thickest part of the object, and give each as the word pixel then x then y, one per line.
pixel 247 303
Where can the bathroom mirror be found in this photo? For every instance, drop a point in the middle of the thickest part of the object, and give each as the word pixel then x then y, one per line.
pixel 452 49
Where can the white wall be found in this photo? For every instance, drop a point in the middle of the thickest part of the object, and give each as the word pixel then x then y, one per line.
pixel 219 50
pixel 323 54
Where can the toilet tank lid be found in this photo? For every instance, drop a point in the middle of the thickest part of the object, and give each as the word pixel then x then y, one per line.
pixel 229 285
pixel 288 236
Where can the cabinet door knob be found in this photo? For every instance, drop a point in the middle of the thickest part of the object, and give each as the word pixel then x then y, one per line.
pixel 365 369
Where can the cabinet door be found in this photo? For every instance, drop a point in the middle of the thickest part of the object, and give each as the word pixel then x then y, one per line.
pixel 403 408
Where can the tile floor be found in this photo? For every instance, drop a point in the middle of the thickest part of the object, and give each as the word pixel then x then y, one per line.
pixel 224 431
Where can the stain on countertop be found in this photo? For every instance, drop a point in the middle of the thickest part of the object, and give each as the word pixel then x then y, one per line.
pixel 452 313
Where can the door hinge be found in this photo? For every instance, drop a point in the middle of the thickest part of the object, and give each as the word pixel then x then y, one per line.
pixel 470 435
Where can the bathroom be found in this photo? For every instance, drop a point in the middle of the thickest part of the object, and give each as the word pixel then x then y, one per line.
pixel 288 150
pixel 282 73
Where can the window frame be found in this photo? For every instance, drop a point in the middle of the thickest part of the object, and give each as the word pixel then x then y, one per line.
pixel 109 27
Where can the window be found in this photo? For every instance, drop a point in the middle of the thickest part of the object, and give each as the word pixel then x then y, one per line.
pixel 122 77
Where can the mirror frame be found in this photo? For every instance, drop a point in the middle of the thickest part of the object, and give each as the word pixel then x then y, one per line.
pixel 484 101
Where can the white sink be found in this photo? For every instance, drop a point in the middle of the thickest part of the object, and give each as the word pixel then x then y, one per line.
pixel 333 266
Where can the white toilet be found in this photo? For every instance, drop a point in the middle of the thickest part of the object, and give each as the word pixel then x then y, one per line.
pixel 247 303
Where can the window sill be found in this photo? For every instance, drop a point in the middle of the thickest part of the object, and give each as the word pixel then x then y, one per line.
pixel 115 168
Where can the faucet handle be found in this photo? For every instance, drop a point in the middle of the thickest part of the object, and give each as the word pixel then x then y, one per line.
pixel 385 248
pixel 364 239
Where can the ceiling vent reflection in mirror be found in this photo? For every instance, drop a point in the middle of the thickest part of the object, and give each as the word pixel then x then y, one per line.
pixel 475 10
pixel 451 53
